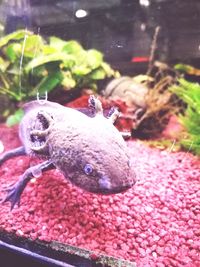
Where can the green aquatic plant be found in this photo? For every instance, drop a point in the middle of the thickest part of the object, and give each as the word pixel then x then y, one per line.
pixel 189 92
pixel 29 64
pixel 188 69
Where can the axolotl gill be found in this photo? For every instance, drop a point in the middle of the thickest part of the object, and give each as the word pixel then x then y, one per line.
pixel 86 147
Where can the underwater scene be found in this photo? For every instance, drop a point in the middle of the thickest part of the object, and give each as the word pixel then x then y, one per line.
pixel 100 133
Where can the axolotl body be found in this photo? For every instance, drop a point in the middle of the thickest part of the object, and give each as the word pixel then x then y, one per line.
pixel 87 148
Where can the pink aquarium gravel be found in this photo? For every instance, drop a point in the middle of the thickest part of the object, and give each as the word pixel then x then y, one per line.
pixel 156 223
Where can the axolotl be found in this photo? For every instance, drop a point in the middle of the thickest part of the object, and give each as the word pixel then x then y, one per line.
pixel 86 147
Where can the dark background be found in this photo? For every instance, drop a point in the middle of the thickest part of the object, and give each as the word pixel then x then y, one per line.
pixel 121 29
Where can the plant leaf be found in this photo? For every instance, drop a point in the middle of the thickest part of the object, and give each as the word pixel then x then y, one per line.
pixel 13 51
pixel 81 70
pixel 56 43
pixel 17 35
pixel 188 69
pixel 3 64
pixel 94 58
pixel 68 82
pixel 98 74
pixel 43 59
pixel 47 49
pixel 15 118
pixel 190 93
pixel 33 46
pixel 49 82
pixel 72 47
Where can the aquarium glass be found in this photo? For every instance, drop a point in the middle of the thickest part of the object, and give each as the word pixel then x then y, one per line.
pixel 99 131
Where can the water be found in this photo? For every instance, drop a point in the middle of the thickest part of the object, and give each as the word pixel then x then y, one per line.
pixel 125 53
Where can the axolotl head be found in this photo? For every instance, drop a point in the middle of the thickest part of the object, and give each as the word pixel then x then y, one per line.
pixel 90 152
pixel 96 172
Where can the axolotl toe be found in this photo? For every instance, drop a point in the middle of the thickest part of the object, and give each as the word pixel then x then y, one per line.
pixel 85 146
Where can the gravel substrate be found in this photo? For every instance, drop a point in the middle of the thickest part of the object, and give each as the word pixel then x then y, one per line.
pixel 157 223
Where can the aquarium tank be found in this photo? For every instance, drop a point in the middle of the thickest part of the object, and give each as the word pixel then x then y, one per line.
pixel 100 133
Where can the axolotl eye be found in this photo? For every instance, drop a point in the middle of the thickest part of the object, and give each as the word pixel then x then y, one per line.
pixel 88 169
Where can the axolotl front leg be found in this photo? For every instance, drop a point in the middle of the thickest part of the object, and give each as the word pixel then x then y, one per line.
pixel 14 193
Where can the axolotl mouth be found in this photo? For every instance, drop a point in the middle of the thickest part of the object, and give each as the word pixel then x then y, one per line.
pixel 103 186
pixel 115 190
